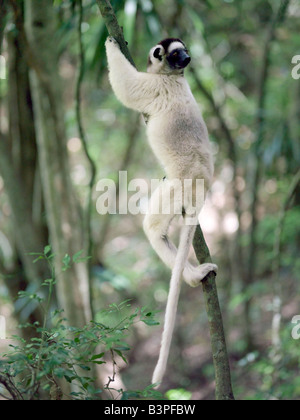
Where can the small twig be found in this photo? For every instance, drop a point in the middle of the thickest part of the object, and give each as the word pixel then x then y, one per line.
pixel 56 393
pixel 110 380
pixel 35 385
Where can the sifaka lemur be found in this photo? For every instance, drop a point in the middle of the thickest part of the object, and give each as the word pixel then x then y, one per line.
pixel 179 139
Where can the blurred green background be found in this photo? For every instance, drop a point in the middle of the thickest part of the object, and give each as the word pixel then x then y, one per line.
pixel 241 75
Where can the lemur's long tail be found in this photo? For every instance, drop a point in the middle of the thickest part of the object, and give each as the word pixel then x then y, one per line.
pixel 185 242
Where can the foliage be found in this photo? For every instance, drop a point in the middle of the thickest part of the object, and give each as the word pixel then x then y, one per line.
pixel 63 354
pixel 227 40
pixel 277 375
pixel 178 395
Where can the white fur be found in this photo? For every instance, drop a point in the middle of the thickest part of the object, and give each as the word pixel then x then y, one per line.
pixel 175 46
pixel 178 137
pixel 155 63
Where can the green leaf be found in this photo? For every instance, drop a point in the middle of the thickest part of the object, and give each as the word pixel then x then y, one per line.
pixel 150 322
pixel 77 257
pixel 84 367
pixel 130 394
pixel 97 356
pixel 69 379
pixel 41 257
pixel 119 353
pixel 47 249
pixel 66 262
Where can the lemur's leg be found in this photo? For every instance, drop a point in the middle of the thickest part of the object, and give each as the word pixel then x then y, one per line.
pixel 194 275
pixel 166 203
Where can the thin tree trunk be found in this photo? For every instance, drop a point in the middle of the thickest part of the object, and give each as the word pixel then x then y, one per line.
pixel 277 286
pixel 28 239
pixel 222 369
pixel 63 213
pixel 236 270
pixel 258 171
pixel 218 342
pixel 18 174
pixel 133 130
pixel 3 9
pixel 87 211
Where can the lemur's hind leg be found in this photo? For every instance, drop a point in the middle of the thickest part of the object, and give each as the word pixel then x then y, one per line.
pixel 194 275
pixel 165 204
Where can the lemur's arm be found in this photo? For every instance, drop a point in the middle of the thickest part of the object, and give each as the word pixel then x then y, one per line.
pixel 134 89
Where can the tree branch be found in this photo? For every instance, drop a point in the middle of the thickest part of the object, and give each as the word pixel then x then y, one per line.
pixel 6 381
pixel 217 335
pixel 113 27
pixel 88 240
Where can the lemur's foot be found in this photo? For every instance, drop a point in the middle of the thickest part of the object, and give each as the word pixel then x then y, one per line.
pixel 194 275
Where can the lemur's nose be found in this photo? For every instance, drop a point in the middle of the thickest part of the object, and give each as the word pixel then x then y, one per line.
pixel 187 61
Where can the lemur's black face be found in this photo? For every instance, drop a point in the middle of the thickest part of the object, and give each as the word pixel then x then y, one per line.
pixel 179 59
pixel 170 56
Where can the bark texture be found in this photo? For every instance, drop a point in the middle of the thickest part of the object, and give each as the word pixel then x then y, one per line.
pixel 64 215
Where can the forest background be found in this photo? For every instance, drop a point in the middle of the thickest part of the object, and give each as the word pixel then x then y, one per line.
pixel 62 131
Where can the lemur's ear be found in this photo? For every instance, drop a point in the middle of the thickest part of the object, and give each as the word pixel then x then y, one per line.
pixel 157 53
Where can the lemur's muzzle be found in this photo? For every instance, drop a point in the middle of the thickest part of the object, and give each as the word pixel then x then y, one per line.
pixel 184 59
pixel 179 59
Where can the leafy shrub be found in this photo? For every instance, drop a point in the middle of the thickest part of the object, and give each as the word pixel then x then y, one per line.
pixel 64 355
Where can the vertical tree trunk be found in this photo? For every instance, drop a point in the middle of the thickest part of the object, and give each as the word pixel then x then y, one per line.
pixel 18 175
pixel 27 238
pixel 215 321
pixel 249 277
pixel 63 212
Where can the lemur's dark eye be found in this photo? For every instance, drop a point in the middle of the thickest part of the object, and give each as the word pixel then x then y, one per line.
pixel 156 54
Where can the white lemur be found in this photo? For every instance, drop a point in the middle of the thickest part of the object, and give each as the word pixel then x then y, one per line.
pixel 178 137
